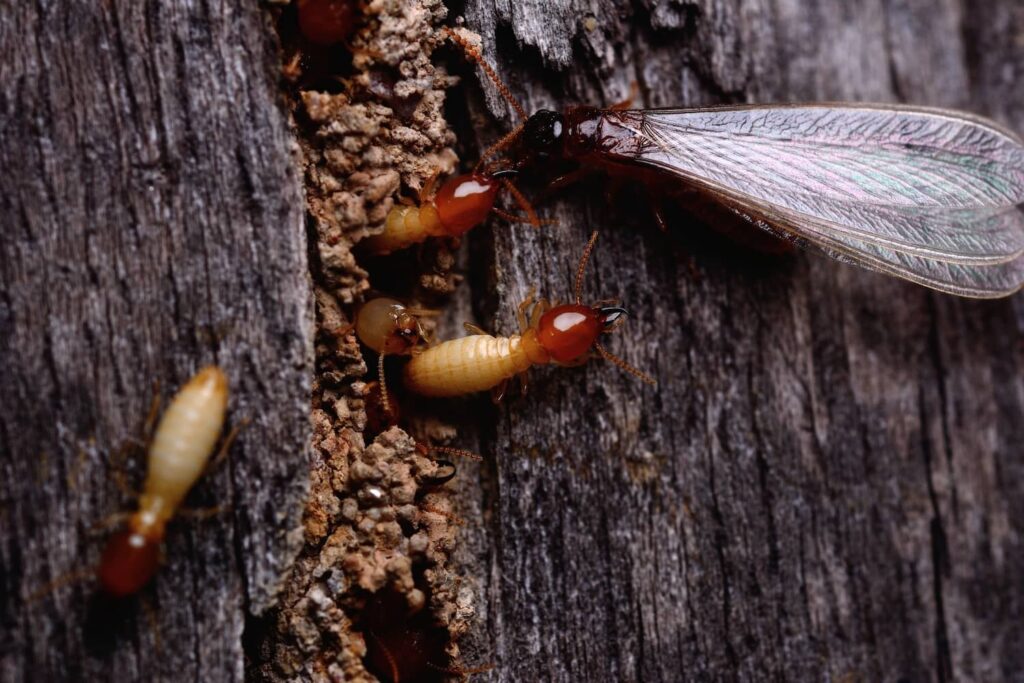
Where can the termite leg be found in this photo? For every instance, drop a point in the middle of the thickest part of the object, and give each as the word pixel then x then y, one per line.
pixel 524 383
pixel 201 514
pixel 154 412
pixel 563 181
pixel 475 329
pixel 627 103
pixel 522 201
pixel 60 582
pixel 540 308
pixel 524 323
pixel 117 471
pixel 222 454
pixel 109 521
pixel 427 191
pixel 498 392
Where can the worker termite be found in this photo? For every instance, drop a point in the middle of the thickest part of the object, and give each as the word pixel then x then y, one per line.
pixel 390 328
pixel 177 456
pixel 563 334
pixel 461 203
pixel 927 195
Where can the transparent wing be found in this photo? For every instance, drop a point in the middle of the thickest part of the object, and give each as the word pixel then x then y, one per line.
pixel 927 195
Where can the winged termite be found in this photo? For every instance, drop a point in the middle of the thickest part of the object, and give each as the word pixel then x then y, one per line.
pixel 928 195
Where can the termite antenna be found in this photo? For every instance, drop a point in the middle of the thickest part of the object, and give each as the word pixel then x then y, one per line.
pixel 583 265
pixel 383 386
pixel 448 450
pixel 392 663
pixel 639 374
pixel 506 140
pixel 473 55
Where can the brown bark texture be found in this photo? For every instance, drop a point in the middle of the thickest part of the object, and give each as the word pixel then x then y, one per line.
pixel 152 222
pixel 826 484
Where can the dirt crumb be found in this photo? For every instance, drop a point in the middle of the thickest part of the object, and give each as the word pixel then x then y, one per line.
pixel 380 525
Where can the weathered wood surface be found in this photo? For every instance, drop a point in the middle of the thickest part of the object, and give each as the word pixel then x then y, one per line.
pixel 152 222
pixel 828 483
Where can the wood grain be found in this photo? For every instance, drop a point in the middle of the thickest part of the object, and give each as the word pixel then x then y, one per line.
pixel 152 222
pixel 827 482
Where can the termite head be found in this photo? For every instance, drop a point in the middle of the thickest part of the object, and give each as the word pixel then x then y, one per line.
pixel 542 134
pixel 568 332
pixel 326 22
pixel 388 327
pixel 464 201
pixel 131 558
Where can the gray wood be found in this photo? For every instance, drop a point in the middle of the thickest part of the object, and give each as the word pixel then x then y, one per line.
pixel 152 222
pixel 828 482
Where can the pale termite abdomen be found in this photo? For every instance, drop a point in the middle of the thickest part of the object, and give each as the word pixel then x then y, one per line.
pixel 467 365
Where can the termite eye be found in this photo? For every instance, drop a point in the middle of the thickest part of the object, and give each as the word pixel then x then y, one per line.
pixel 543 132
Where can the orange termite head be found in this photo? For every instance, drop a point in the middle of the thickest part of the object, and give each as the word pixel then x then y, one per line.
pixel 129 561
pixel 387 327
pixel 326 22
pixel 463 202
pixel 568 332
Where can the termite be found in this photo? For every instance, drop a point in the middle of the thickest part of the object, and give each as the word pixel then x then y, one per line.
pixel 177 456
pixel 927 195
pixel 327 22
pixel 564 335
pixel 462 203
pixel 390 328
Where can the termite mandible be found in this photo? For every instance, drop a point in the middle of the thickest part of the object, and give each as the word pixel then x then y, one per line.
pixel 462 203
pixel 564 335
pixel 927 195
pixel 178 455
